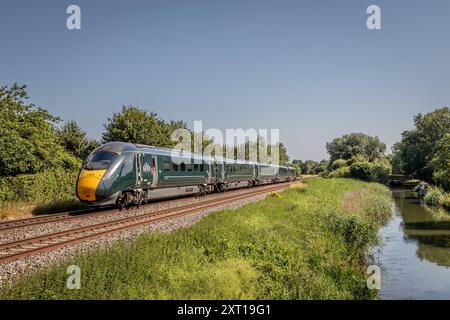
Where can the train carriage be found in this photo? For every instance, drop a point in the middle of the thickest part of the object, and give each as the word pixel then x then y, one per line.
pixel 120 174
pixel 266 173
pixel 283 174
pixel 239 173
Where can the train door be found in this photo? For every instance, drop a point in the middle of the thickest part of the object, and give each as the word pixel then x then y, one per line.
pixel 154 171
pixel 216 173
pixel 145 169
pixel 223 171
pixel 209 173
pixel 138 169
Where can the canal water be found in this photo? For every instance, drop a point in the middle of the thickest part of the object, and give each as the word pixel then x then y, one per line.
pixel 415 256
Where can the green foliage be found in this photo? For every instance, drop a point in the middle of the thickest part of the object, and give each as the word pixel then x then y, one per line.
pixel 380 169
pixel 250 150
pixel 338 163
pixel 42 187
pixel 358 156
pixel 311 166
pixel 361 170
pixel 75 140
pixel 275 195
pixel 445 201
pixel 414 153
pixel 138 126
pixel 353 144
pixel 342 172
pixel 441 163
pixel 434 196
pixel 28 140
pixel 306 245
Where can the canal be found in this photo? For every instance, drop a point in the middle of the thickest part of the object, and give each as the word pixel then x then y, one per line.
pixel 415 255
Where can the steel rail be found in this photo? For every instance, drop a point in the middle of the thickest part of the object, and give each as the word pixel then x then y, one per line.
pixel 26 247
pixel 65 216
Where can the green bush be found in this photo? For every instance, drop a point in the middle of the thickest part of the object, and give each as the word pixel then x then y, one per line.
pixel 441 163
pixel 445 202
pixel 434 196
pixel 342 172
pixel 5 192
pixel 380 169
pixel 40 187
pixel 338 163
pixel 361 170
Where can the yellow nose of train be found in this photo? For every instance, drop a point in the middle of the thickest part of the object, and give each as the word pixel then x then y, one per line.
pixel 88 182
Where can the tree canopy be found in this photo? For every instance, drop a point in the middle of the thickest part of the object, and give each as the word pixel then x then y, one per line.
pixel 135 125
pixel 441 163
pixel 28 140
pixel 414 153
pixel 75 140
pixel 353 144
pixel 358 156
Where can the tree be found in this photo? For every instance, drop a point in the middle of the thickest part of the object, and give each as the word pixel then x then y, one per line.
pixel 284 158
pixel 358 156
pixel 75 140
pixel 413 154
pixel 28 139
pixel 441 163
pixel 138 126
pixel 353 144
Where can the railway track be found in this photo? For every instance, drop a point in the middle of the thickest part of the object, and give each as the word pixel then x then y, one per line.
pixel 57 217
pixel 18 249
pixel 60 217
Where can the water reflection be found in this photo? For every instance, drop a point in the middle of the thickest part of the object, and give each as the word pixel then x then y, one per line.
pixel 415 257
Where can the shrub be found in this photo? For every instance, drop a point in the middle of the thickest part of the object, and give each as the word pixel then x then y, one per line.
pixel 361 170
pixel 41 187
pixel 380 169
pixel 5 192
pixel 434 196
pixel 446 201
pixel 338 163
pixel 275 195
pixel 441 163
pixel 342 172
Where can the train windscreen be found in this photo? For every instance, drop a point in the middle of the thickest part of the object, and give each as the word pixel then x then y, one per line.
pixel 101 160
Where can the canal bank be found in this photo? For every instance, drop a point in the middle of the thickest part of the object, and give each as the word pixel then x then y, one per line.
pixel 415 255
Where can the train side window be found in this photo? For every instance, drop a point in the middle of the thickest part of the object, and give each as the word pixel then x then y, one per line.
pixel 153 162
pixel 127 166
pixel 174 167
pixel 182 167
pixel 166 165
pixel 189 167
pixel 202 167
pixel 196 167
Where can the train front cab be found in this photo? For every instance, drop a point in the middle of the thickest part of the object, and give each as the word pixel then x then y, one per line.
pixel 106 172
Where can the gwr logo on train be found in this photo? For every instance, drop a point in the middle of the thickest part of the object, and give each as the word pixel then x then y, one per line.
pixel 146 167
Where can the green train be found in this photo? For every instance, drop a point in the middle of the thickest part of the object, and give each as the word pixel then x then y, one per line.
pixel 123 174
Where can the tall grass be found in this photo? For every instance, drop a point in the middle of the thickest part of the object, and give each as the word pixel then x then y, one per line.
pixel 306 243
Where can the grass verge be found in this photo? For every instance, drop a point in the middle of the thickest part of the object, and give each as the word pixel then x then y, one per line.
pixel 306 243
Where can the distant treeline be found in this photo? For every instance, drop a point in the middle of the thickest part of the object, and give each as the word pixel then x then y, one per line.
pixel 423 153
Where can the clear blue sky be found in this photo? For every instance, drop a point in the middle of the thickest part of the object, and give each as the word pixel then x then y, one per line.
pixel 310 68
